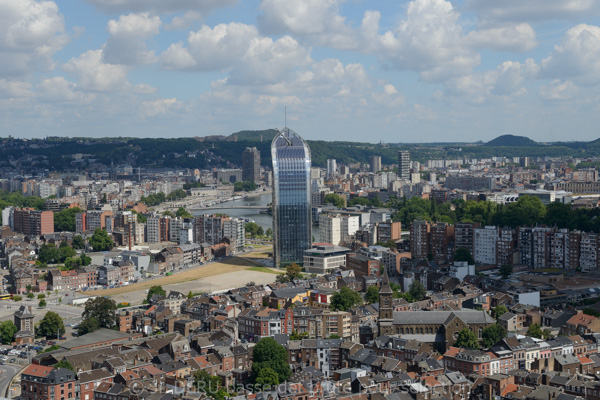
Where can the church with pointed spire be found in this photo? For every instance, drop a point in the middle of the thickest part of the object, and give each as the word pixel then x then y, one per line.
pixel 386 306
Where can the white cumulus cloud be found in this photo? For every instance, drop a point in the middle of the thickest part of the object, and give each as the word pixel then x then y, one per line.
pixel 577 56
pixel 430 40
pixel 127 41
pixel 94 74
pixel 210 49
pixel 31 32
pixel 318 20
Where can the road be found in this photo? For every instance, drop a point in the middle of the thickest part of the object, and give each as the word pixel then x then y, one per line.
pixel 7 372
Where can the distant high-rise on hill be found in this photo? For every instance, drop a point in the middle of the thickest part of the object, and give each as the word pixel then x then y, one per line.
pixel 403 164
pixel 251 164
pixel 291 198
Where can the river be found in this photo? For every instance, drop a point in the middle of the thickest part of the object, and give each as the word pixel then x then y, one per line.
pixel 264 220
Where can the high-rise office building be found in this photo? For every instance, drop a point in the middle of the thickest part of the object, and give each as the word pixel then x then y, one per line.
pixel 251 164
pixel 291 198
pixel 375 164
pixel 403 164
pixel 331 167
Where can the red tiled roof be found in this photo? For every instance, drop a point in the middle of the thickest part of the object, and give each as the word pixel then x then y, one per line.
pixel 38 370
pixel 509 389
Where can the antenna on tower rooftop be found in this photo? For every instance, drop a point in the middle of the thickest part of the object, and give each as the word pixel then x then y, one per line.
pixel 285 116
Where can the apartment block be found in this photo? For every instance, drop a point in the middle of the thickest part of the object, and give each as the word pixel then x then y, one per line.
pixel 588 252
pixel 441 240
pixel 157 229
pixel 484 245
pixel 337 228
pixel 389 231
pixel 463 236
pixel 541 247
pixel 505 246
pixel 208 229
pixel 419 239
pixel 31 222
pixel 525 245
pixel 235 230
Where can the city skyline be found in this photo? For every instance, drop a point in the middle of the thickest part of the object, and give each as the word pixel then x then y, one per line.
pixel 418 71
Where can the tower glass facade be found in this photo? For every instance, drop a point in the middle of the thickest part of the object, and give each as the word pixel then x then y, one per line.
pixel 291 198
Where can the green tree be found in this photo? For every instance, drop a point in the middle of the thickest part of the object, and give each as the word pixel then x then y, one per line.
pixel 267 378
pixel 526 211
pixel 17 298
pixel 492 334
pixel 269 354
pixel 66 252
pixel 50 325
pixel 535 331
pixel 269 232
pixel 42 303
pixel 156 289
pixel 499 310
pixel 466 338
pixel 254 230
pixel 506 270
pixel 88 325
pixel 282 278
pixel 372 295
pixel 64 220
pixel 416 290
pixel 335 199
pixel 211 385
pixel 463 254
pixel 183 213
pixel 176 195
pixel 103 310
pixel 245 186
pixel 344 299
pixel 78 242
pixel 49 254
pixel 64 364
pixel 7 331
pixel 101 241
pixel 190 295
pixel 30 295
pixel 41 296
pixel 293 271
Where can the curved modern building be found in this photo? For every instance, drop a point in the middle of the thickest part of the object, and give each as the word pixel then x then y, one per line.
pixel 291 198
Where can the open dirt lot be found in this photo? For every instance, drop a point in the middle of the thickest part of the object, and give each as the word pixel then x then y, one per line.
pixel 226 274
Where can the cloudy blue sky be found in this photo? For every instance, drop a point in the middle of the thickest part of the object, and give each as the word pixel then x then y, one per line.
pixel 377 70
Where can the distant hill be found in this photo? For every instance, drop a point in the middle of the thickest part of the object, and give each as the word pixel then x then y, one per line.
pixel 267 135
pixel 511 141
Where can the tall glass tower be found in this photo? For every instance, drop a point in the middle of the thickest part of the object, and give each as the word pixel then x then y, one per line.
pixel 291 198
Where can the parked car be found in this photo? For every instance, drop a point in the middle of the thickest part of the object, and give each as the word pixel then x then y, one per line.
pixel 13 360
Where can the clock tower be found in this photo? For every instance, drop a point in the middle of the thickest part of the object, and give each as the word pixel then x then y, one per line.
pixel 386 307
